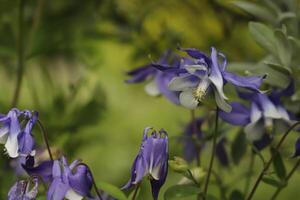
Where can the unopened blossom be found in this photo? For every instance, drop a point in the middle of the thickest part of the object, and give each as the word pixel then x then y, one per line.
pixel 16 139
pixel 156 80
pixel 200 75
pixel 23 190
pixel 72 181
pixel 151 161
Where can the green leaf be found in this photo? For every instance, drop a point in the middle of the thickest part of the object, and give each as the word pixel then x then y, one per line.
pixel 284 50
pixel 263 35
pixel 236 195
pixel 275 77
pixel 112 190
pixel 278 165
pixel 181 191
pixel 272 181
pixel 278 67
pixel 256 10
pixel 238 147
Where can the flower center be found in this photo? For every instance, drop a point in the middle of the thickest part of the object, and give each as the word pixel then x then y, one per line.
pixel 200 92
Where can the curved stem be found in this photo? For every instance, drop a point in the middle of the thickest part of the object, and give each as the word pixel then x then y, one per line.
pixel 192 176
pixel 266 167
pixel 45 137
pixel 215 134
pixel 93 180
pixel 20 53
pixel 136 191
pixel 286 180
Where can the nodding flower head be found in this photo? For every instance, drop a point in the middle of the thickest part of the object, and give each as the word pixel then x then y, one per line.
pixel 151 161
pixel 16 139
pixel 72 181
pixel 259 119
pixel 201 74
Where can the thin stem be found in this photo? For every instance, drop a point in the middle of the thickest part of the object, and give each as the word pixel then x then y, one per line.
pixel 194 124
pixel 212 154
pixel 266 167
pixel 45 137
pixel 93 180
pixel 20 52
pixel 136 191
pixel 249 173
pixel 286 180
pixel 192 177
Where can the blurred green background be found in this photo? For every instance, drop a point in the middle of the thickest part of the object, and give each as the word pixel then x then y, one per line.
pixel 76 56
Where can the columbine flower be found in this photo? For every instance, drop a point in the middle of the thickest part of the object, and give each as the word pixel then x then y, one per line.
pixel 21 190
pixel 151 161
pixel 201 74
pixel 157 80
pixel 259 119
pixel 17 141
pixel 72 181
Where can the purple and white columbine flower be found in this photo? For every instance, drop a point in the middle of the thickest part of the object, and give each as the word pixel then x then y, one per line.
pixel 17 141
pixel 22 190
pixel 151 161
pixel 157 81
pixel 201 74
pixel 72 181
pixel 258 119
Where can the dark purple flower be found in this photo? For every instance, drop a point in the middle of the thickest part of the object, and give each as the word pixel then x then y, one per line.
pixel 202 74
pixel 192 133
pixel 72 181
pixel 43 169
pixel 221 152
pixel 297 148
pixel 152 161
pixel 157 81
pixel 259 118
pixel 22 190
pixel 17 141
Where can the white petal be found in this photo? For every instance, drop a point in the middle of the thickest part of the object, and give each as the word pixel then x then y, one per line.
pixel 152 89
pixel 254 131
pixel 11 145
pixel 188 100
pixel 255 114
pixel 193 68
pixel 3 134
pixel 283 113
pixel 221 103
pixel 72 195
pixel 155 172
pixel 182 83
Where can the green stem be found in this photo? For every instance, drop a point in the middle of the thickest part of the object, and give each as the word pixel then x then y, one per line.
pixel 268 164
pixel 20 55
pixel 136 191
pixel 215 134
pixel 286 180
